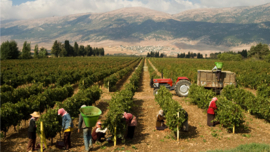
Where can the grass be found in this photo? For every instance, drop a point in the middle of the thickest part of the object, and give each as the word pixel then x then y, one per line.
pixel 254 147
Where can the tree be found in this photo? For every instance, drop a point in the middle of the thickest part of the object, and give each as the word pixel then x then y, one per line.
pixel 26 51
pixel 67 47
pixel 56 49
pixel 88 50
pixel 43 53
pixel 9 50
pixel 76 49
pixel 36 51
pixel 63 51
pixel 259 51
pixel 230 57
pixel 82 50
pixel 102 52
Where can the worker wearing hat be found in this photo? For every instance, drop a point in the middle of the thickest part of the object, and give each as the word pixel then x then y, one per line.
pixel 98 133
pixel 86 132
pixel 32 131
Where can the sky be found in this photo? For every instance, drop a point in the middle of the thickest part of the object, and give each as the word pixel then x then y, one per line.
pixel 33 9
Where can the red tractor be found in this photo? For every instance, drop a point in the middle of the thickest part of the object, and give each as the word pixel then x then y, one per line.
pixel 181 85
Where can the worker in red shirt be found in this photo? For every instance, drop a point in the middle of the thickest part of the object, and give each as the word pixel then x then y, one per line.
pixel 211 112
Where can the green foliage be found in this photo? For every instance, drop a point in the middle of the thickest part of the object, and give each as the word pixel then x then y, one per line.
pixel 26 54
pixel 9 50
pixel 152 72
pixel 244 98
pixel 83 97
pixel 51 123
pixel 43 53
pixel 14 95
pixel 36 51
pixel 229 113
pixel 56 49
pixel 263 91
pixel 259 51
pixel 248 101
pixel 122 102
pixel 249 73
pixel 5 88
pixel 76 49
pixel 254 147
pixel 113 79
pixel 229 57
pixel 267 58
pixel 170 108
pixel 200 96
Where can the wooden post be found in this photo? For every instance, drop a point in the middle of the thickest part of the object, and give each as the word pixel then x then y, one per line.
pixel 177 128
pixel 42 137
pixel 248 111
pixel 115 136
pixel 234 129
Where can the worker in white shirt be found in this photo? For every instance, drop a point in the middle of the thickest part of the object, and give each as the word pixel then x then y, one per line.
pixel 98 133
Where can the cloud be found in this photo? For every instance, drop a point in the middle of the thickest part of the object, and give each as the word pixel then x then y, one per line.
pixel 47 8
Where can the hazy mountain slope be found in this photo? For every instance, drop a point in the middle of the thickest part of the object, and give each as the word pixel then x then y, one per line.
pixel 139 24
pixel 242 15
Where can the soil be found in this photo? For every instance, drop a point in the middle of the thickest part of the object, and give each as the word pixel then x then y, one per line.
pixel 200 137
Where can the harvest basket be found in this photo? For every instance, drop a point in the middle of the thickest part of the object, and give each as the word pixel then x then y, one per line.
pixel 90 115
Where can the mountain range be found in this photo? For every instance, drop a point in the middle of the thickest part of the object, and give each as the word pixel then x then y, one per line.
pixel 228 27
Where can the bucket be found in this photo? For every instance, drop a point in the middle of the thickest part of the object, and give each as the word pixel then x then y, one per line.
pixel 90 115
pixel 219 65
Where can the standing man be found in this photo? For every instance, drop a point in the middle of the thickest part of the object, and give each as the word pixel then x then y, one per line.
pixel 86 132
pixel 32 131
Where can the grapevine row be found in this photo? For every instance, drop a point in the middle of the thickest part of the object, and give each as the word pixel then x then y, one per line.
pixel 248 73
pixel 152 71
pixel 56 71
pixel 14 95
pixel 98 76
pixel 171 108
pixel 259 105
pixel 52 121
pixel 229 114
pixel 122 101
pixel 110 82
pixel 23 108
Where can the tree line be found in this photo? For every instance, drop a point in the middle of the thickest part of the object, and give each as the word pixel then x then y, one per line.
pixel 259 52
pixel 155 54
pixel 10 50
pixel 189 55
pixel 65 49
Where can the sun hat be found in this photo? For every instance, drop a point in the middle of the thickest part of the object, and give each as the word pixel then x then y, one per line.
pixel 35 114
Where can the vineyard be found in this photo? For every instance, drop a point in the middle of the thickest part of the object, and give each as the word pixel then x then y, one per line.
pixel 249 74
pixel 46 85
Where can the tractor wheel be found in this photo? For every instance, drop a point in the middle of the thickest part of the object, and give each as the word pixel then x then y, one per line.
pixel 155 92
pixel 182 88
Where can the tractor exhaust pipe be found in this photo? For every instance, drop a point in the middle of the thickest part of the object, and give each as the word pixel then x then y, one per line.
pixel 161 75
